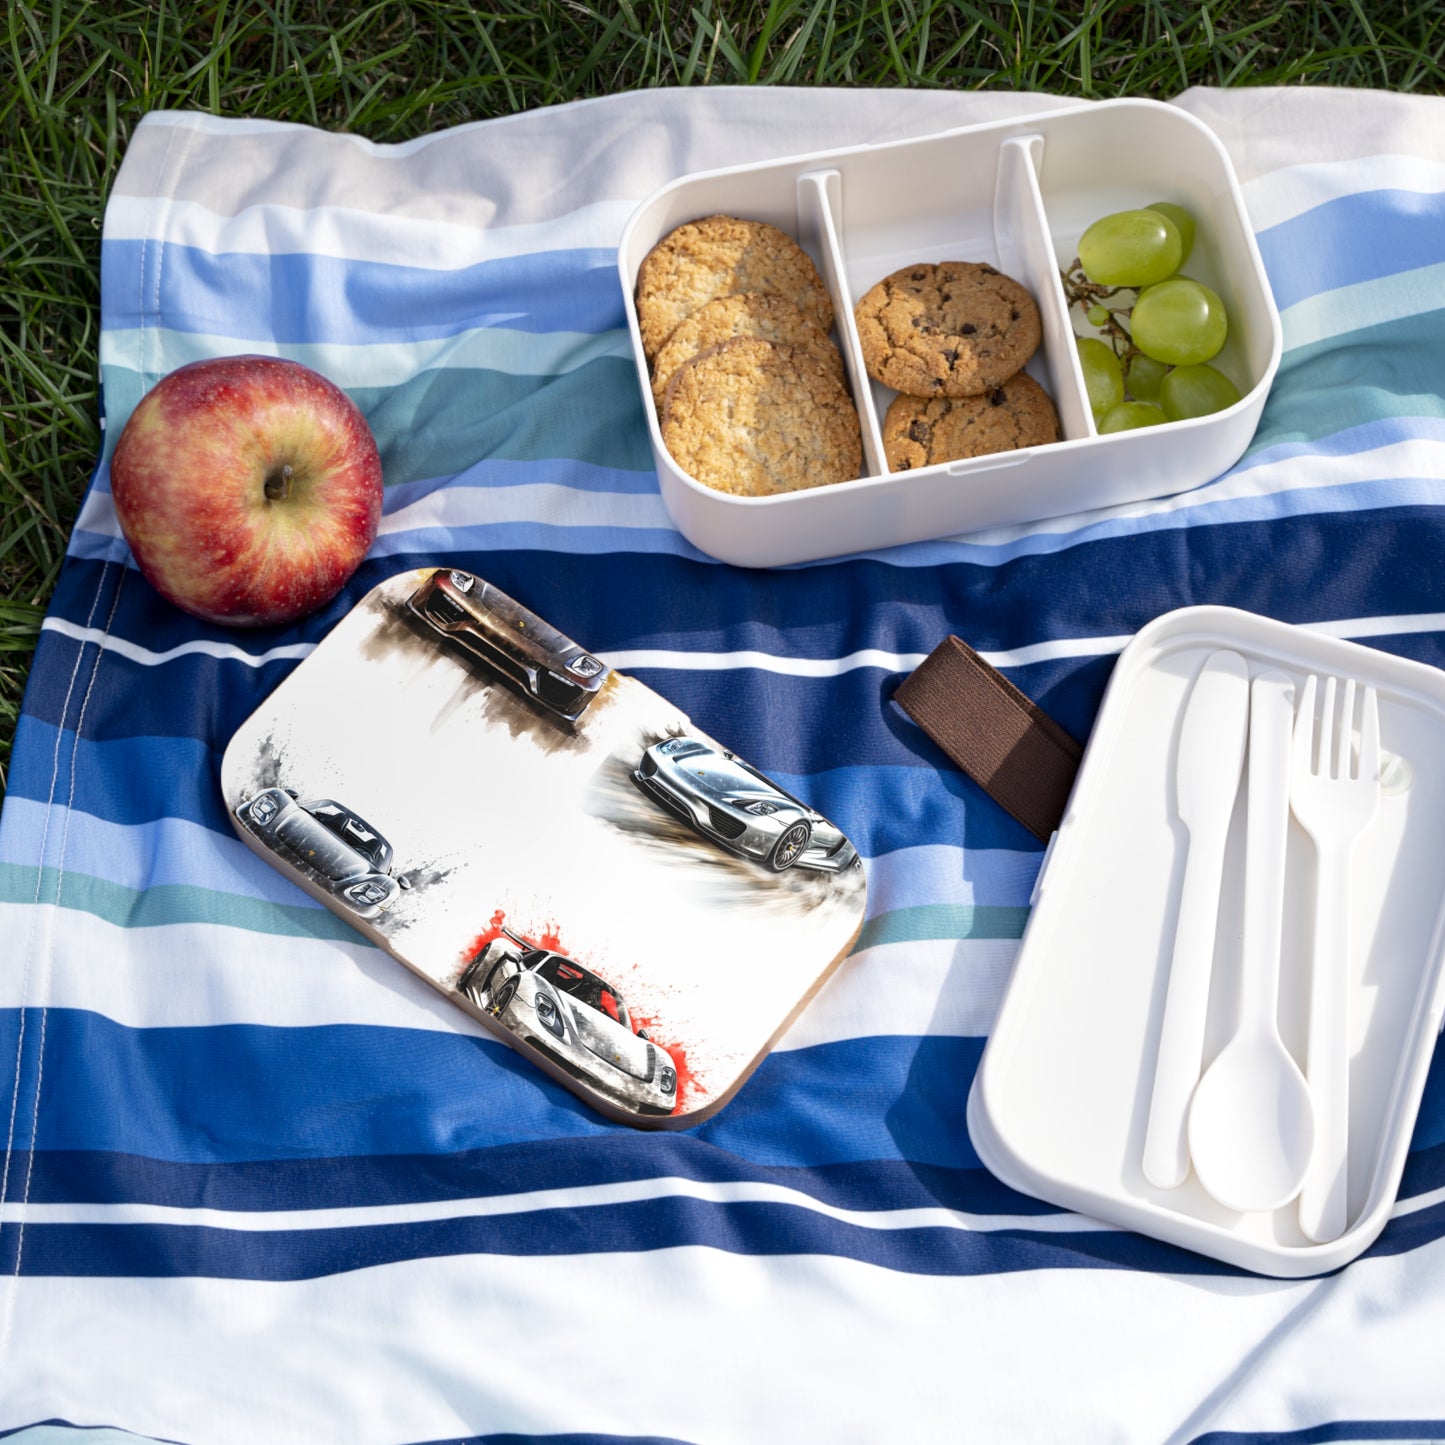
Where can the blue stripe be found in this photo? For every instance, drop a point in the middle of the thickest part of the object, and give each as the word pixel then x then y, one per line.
pixel 1346 565
pixel 128 780
pixel 73 1177
pixel 755 1229
pixel 344 1091
pixel 167 853
pixel 297 298
pixel 146 779
pixel 56 1431
pixel 1377 563
pixel 173 853
pixel 327 1091
pixel 1416 1432
pixel 1354 238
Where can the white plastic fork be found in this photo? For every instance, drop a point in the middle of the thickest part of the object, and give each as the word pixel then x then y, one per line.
pixel 1334 795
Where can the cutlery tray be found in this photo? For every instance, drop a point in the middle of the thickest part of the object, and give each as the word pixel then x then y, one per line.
pixel 1059 1108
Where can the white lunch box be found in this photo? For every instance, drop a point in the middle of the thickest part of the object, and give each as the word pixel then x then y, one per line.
pixel 1061 1103
pixel 1016 195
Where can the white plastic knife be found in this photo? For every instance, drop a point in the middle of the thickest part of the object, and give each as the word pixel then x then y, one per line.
pixel 1210 760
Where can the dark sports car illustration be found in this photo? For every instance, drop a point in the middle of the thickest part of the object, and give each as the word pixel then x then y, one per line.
pixel 726 800
pixel 491 627
pixel 327 842
pixel 575 1017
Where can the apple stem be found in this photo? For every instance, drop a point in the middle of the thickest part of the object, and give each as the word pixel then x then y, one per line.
pixel 278 484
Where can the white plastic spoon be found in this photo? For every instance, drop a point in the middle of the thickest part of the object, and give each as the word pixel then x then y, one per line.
pixel 1211 754
pixel 1251 1121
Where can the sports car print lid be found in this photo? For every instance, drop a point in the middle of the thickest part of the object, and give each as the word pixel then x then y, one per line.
pixel 598 883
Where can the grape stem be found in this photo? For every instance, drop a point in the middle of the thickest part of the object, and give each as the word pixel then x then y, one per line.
pixel 1086 295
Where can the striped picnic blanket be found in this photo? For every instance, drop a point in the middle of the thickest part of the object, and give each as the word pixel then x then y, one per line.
pixel 260 1184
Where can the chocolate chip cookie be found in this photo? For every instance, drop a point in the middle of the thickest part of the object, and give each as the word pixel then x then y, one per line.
pixel 754 418
pixel 717 256
pixel 918 432
pixel 749 313
pixel 955 328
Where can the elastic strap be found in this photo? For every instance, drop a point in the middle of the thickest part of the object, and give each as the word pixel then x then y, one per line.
pixel 1008 745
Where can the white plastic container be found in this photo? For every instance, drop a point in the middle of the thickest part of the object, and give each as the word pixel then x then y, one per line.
pixel 1060 1104
pixel 1016 195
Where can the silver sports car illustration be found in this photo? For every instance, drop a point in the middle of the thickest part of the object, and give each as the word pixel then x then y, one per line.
pixel 726 800
pixel 492 628
pixel 573 1016
pixel 329 844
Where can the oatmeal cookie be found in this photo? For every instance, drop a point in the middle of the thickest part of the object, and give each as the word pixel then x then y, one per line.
pixel 748 313
pixel 918 432
pixel 956 328
pixel 753 418
pixel 716 256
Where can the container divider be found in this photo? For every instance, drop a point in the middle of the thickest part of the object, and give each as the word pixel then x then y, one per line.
pixel 1026 251
pixel 820 222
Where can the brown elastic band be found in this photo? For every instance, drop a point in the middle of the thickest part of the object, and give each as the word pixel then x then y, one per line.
pixel 1011 748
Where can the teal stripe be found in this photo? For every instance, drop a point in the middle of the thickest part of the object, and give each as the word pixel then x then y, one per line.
pixel 942 921
pixel 168 903
pixel 439 423
pixel 1375 374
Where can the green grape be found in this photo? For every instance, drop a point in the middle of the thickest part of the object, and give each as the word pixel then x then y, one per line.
pixel 1144 376
pixel 1103 376
pixel 1179 322
pixel 1196 391
pixel 1130 248
pixel 1129 415
pixel 1098 315
pixel 1183 223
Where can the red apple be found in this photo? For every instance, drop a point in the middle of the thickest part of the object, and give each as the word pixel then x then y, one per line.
pixel 248 487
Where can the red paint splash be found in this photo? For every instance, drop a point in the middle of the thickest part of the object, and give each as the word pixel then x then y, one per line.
pixel 687 1084
pixel 549 938
pixel 492 931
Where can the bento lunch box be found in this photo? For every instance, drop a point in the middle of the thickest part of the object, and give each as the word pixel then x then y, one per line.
pixel 1016 195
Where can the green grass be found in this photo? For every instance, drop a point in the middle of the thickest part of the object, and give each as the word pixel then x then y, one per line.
pixel 76 77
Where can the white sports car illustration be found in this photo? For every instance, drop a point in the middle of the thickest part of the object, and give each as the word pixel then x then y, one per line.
pixel 328 843
pixel 726 800
pixel 573 1016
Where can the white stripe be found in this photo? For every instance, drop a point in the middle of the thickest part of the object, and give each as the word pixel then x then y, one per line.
pixel 1239 494
pixel 1362 305
pixel 696 1343
pixel 581 1196
pixel 541 502
pixel 638 659
pixel 354 366
pixel 642 657
pixel 1419 457
pixel 195 975
pixel 596 1196
pixel 928 988
pixel 357 235
pixel 201 647
pixel 555 118
pixel 1294 190
pixel 1417 1202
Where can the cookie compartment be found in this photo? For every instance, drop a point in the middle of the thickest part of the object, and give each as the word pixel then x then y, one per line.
pixel 958 197
pixel 1014 195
